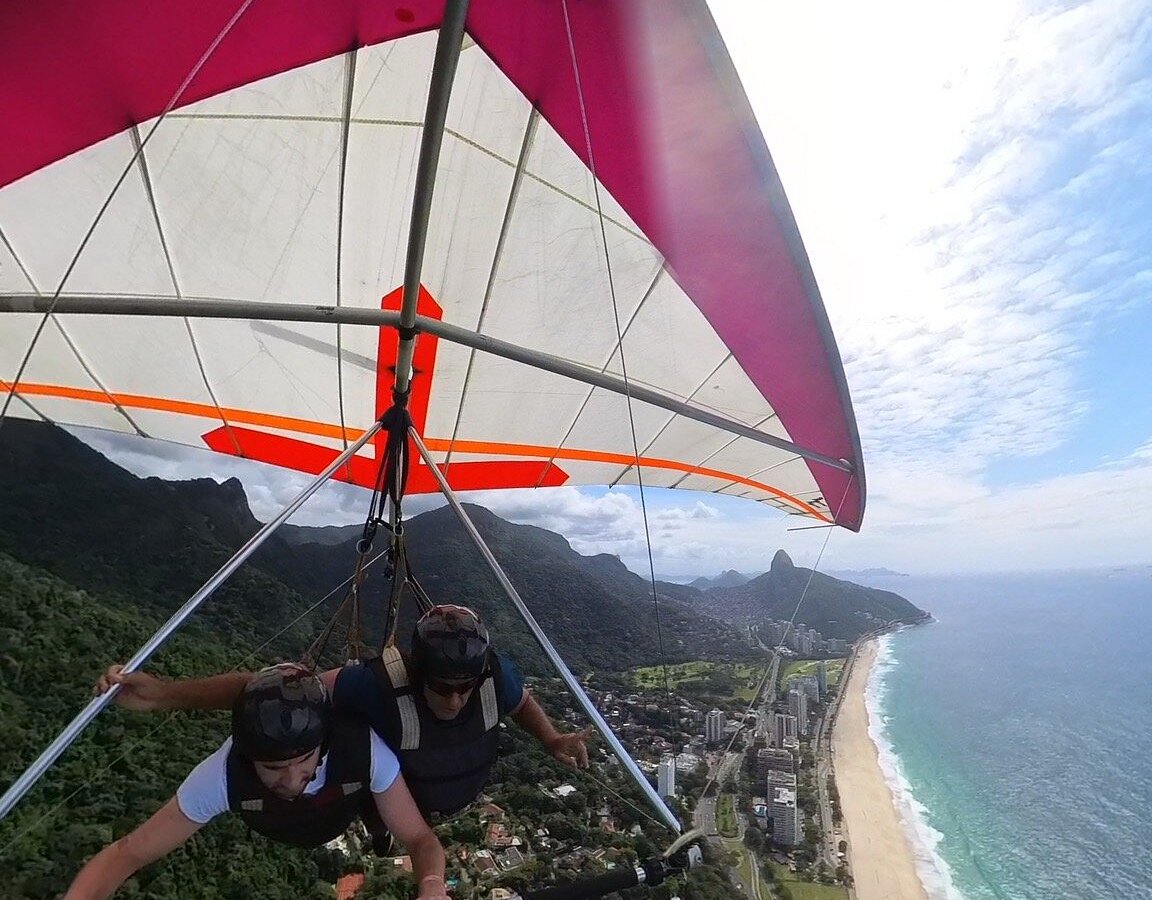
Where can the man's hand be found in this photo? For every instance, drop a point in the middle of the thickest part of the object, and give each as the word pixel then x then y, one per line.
pixel 432 887
pixel 138 690
pixel 570 748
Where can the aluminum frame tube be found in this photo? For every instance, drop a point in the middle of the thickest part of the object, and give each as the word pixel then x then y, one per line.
pixel 546 645
pixel 448 46
pixel 291 312
pixel 32 774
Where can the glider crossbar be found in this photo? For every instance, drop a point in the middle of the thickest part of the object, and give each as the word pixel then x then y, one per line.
pixel 546 645
pixel 291 312
pixel 66 737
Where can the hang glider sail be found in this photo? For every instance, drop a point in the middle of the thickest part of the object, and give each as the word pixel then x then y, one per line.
pixel 604 207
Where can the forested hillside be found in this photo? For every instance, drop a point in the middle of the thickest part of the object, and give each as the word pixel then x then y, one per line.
pixel 53 640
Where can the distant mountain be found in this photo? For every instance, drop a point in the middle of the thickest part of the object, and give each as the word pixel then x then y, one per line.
pixel 728 579
pixel 880 572
pixel 835 608
pixel 325 535
pixel 70 511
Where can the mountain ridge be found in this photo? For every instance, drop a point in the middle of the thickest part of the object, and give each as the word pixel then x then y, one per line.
pixel 102 529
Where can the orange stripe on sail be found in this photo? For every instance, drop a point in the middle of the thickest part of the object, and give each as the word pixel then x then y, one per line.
pixel 187 408
pixel 322 429
pixel 622 459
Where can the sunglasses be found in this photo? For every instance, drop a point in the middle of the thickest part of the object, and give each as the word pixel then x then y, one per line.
pixel 448 688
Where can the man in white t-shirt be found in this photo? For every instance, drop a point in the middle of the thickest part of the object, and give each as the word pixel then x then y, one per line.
pixel 294 770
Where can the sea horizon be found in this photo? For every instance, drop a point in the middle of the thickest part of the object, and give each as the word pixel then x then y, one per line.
pixel 1014 733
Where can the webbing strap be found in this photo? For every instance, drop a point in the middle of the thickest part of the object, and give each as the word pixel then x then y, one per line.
pixel 488 702
pixel 409 718
pixel 397 671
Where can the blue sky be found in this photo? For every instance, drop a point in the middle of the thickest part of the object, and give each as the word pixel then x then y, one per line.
pixel 973 183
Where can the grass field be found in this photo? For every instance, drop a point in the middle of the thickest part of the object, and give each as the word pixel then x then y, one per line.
pixel 726 816
pixel 702 674
pixel 803 890
pixel 808 667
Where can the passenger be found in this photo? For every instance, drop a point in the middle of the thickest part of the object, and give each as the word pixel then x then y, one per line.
pixel 438 708
pixel 295 770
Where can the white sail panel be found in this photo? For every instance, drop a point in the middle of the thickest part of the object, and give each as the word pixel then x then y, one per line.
pixel 252 196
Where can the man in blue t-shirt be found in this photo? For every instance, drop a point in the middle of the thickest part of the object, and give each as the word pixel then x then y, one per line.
pixel 437 708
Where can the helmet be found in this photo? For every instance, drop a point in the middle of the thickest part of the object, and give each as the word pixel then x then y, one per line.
pixel 284 712
pixel 450 642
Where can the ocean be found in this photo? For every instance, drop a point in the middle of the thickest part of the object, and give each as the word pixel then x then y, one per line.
pixel 1016 733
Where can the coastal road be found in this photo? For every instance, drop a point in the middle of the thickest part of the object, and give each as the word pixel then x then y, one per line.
pixel 830 844
pixel 828 847
pixel 704 817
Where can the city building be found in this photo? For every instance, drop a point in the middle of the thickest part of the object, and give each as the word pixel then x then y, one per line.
pixel 798 707
pixel 822 677
pixel 687 762
pixel 666 777
pixel 809 684
pixel 775 780
pixel 785 817
pixel 784 727
pixel 772 759
pixel 714 726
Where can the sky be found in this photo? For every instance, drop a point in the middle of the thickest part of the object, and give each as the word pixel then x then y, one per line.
pixel 972 183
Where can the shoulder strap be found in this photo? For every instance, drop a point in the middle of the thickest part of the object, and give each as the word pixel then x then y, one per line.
pixel 409 719
pixel 488 703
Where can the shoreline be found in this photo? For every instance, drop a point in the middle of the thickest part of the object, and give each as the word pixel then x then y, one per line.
pixel 880 855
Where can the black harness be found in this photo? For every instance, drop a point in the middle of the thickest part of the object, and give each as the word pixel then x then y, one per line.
pixel 445 764
pixel 311 819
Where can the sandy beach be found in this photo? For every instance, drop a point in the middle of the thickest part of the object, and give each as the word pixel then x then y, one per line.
pixel 879 854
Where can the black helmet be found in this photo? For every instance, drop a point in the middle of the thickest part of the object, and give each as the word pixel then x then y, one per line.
pixel 450 642
pixel 283 712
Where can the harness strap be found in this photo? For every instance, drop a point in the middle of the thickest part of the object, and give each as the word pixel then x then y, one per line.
pixel 488 703
pixel 409 717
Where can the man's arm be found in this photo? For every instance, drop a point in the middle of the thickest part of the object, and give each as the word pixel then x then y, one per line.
pixel 141 691
pixel 108 869
pixel 399 812
pixel 569 748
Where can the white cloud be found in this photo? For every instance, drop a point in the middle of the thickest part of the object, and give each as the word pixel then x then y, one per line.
pixel 951 170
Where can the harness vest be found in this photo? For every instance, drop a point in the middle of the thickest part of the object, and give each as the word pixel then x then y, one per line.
pixel 445 764
pixel 311 819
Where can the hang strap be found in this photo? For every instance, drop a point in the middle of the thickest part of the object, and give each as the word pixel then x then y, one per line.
pixel 488 703
pixel 402 688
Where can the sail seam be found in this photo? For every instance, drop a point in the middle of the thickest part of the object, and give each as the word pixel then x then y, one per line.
pixel 146 177
pixel 526 144
pixel 604 368
pixel 407 123
pixel 345 137
pixel 27 277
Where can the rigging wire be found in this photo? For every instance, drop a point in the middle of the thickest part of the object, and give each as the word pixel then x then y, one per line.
pixel 345 132
pixel 620 348
pixel 587 773
pixel 171 104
